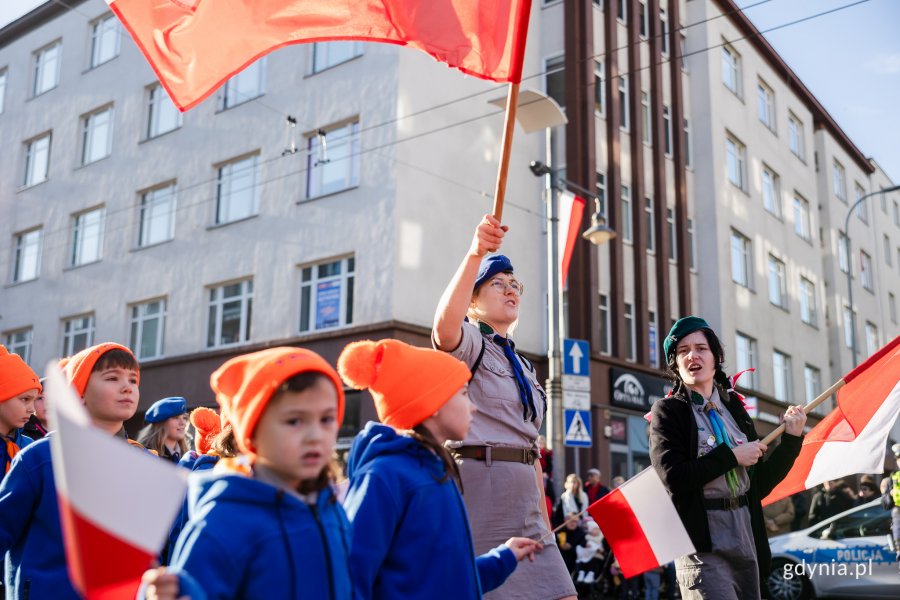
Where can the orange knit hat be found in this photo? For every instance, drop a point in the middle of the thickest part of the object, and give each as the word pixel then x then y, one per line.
pixel 15 376
pixel 78 368
pixel 408 384
pixel 208 425
pixel 245 384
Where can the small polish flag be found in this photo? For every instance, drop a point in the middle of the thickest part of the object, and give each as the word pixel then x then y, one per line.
pixel 641 525
pixel 116 502
pixel 853 437
pixel 571 212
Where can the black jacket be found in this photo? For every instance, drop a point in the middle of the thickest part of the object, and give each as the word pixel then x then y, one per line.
pixel 673 453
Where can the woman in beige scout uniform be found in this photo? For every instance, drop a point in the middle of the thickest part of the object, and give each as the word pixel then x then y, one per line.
pixel 502 482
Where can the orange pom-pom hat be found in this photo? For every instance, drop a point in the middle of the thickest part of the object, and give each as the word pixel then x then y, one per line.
pixel 408 384
pixel 245 384
pixel 78 368
pixel 208 425
pixel 16 377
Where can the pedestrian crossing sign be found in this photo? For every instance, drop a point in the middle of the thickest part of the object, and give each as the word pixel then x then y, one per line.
pixel 578 428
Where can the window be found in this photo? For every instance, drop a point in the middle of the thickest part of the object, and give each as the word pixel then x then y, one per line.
pixel 896 213
pixel 848 326
pixel 96 135
pixel 148 325
pixel 839 182
pixel 162 116
pixel 623 102
pixel 871 338
pixel 555 79
pixel 105 36
pixel 745 350
pixel 766 102
pixel 330 54
pixel 667 130
pixel 684 52
pixel 78 334
pixel 28 256
pixel 866 522
pixel 19 342
pixel 795 136
pixel 626 214
pixel 741 260
pixel 651 225
pixel 812 383
pixel 601 194
pixel 862 209
pixel 230 309
pixel 892 307
pixel 731 69
pixel 807 301
pixel 670 222
pixel 237 191
pixel 630 342
pixel 3 76
pixel 46 68
pixel 333 165
pixel 843 259
pixel 599 87
pixel 781 367
pixel 801 217
pixel 605 325
pixel 246 85
pixel 37 160
pixel 623 11
pixel 687 143
pixel 777 283
pixel 157 215
pixel 326 294
pixel 652 329
pixel 644 25
pixel 645 116
pixel 736 158
pixel 87 237
pixel 691 246
pixel 771 191
pixel 664 30
pixel 865 270
pixel 887 250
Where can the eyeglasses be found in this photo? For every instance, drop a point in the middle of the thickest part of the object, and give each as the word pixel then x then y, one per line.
pixel 501 286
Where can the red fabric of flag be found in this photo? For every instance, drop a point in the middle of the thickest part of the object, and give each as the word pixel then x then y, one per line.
pixel 194 46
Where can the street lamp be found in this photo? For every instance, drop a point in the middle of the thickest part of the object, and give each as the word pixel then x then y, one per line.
pixel 850 266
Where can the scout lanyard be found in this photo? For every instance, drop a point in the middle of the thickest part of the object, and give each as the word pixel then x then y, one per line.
pixel 722 437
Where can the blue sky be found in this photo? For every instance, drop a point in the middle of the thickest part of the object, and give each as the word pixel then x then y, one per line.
pixel 849 59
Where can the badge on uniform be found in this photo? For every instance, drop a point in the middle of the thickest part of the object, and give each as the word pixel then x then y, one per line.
pixel 711 440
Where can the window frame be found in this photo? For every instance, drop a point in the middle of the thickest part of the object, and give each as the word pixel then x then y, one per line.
pixel 731 63
pixel 157 101
pixel 19 254
pixel 39 64
pixel 28 180
pixel 865 271
pixel 146 202
pixel 311 287
pixel 69 347
pixel 744 257
pixel 736 161
pixel 89 129
pixel 766 105
pixel 627 214
pixel 15 347
pixel 215 303
pixel 225 195
pixel 796 143
pixel 752 353
pixel 357 50
pixel 808 303
pixel 352 175
pixel 137 319
pixel 100 21
pixel 786 371
pixel 777 278
pixel 232 87
pixel 803 226
pixel 772 201
pixel 78 236
pixel 839 181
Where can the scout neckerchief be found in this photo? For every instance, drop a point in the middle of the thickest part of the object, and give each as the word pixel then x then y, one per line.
pixel 509 350
pixel 722 437
pixel 12 448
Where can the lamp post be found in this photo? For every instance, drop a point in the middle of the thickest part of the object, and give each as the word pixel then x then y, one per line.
pixel 850 266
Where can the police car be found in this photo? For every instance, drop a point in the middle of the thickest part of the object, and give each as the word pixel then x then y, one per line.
pixel 847 555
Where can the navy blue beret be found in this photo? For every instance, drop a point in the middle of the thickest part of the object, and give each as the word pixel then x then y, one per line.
pixel 490 266
pixel 165 409
pixel 682 327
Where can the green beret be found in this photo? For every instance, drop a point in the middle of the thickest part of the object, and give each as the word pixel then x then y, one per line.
pixel 682 327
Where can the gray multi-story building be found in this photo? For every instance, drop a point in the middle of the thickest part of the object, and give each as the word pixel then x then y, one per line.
pixel 328 192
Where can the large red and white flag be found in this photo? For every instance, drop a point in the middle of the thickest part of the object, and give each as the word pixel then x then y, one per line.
pixel 571 212
pixel 853 437
pixel 116 502
pixel 641 524
pixel 194 46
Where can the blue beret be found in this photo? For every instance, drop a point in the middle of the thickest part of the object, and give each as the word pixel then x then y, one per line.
pixel 165 409
pixel 490 266
pixel 682 327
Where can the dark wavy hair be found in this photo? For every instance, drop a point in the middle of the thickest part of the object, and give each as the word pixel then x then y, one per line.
pixel 715 346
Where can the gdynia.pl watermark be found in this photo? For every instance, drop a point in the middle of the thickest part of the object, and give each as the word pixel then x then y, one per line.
pixel 828 569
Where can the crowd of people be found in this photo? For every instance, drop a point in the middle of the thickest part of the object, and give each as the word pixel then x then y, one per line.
pixel 449 494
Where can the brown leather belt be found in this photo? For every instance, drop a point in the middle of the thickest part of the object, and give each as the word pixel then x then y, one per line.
pixel 725 503
pixel 490 453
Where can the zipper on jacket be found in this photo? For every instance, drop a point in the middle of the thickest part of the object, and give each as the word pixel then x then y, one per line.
pixel 315 512
pixel 279 498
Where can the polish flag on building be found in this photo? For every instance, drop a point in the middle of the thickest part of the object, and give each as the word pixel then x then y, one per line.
pixel 571 212
pixel 194 46
pixel 641 525
pixel 116 502
pixel 853 437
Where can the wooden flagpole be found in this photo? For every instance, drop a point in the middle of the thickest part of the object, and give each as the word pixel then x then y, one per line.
pixel 512 102
pixel 806 410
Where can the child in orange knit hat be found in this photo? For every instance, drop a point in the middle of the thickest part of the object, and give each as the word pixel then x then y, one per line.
pixel 266 525
pixel 19 387
pixel 411 536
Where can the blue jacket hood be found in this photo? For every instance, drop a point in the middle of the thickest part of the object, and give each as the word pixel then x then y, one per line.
pixel 377 440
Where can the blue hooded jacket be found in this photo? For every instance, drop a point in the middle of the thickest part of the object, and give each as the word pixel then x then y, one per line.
pixel 19 439
pixel 410 535
pixel 248 539
pixel 194 462
pixel 30 533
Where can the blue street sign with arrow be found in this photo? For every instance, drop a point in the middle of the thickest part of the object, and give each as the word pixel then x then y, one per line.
pixel 576 357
